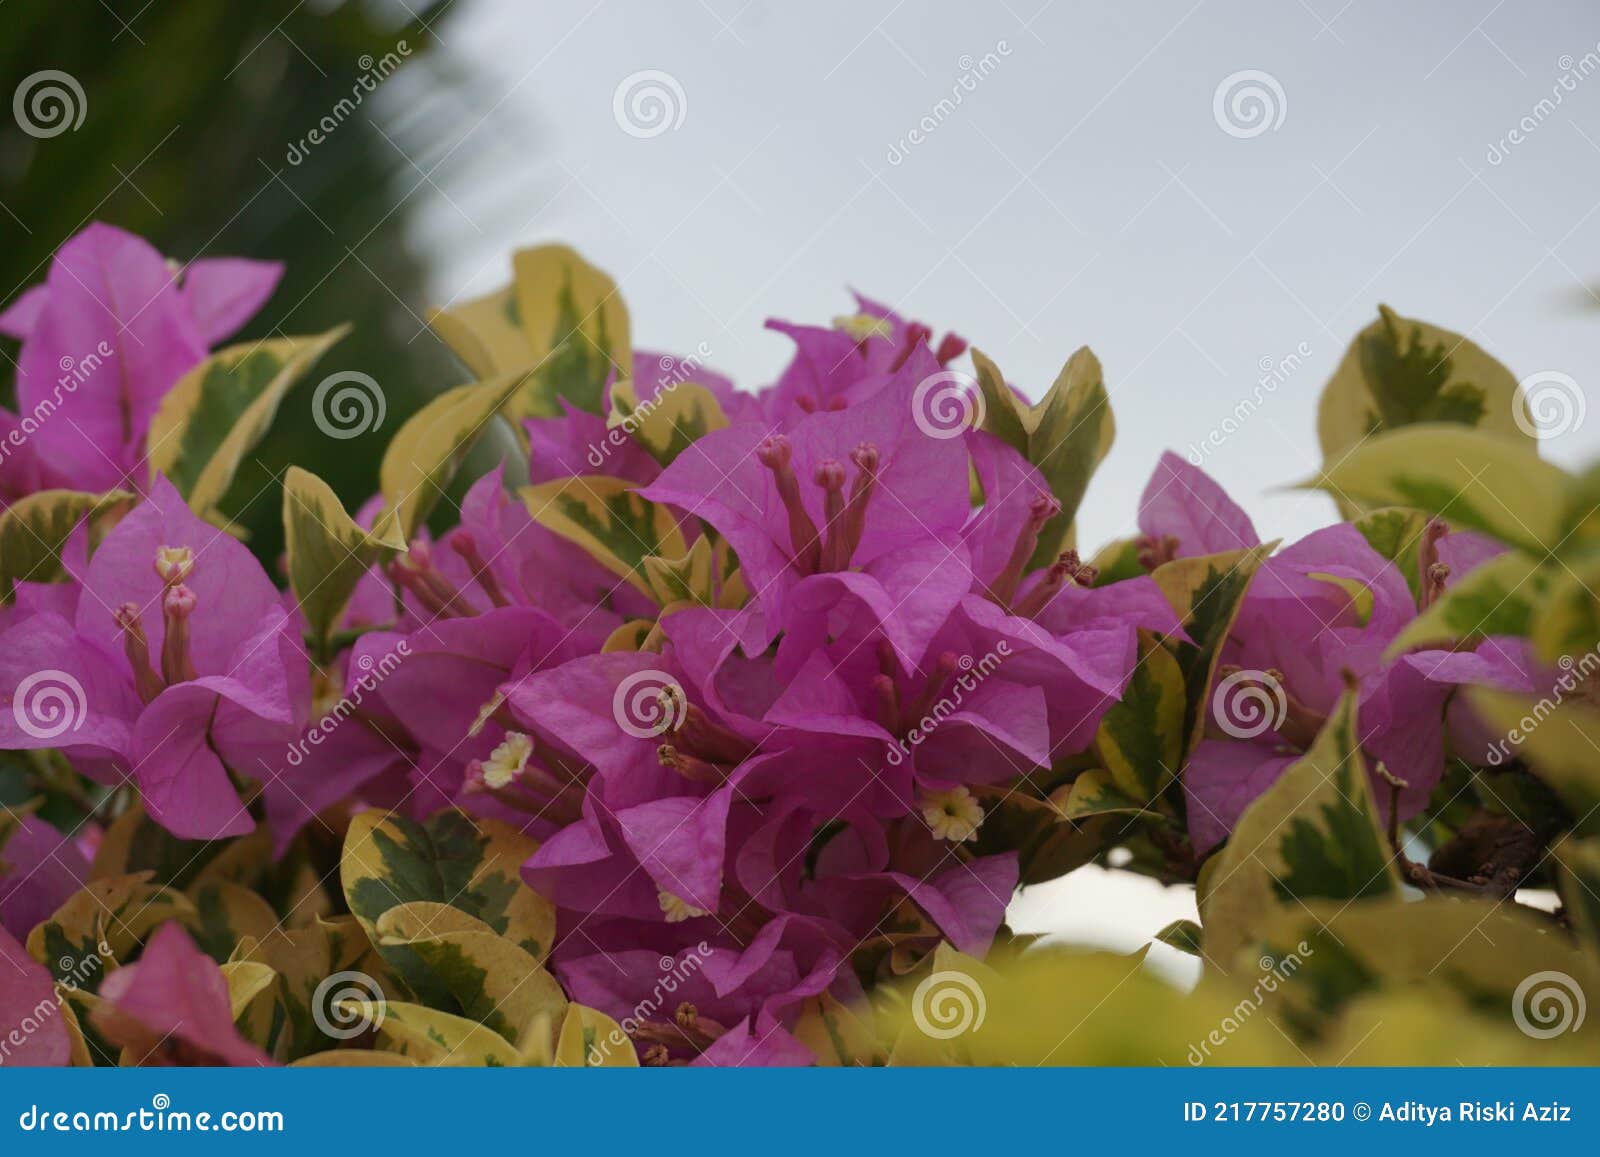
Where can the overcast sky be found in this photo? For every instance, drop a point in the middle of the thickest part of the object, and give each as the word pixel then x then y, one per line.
pixel 1088 185
pixel 1081 190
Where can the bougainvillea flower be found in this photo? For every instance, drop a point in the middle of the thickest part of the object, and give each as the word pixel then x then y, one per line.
pixel 880 536
pixel 1183 513
pixel 844 364
pixel 171 1007
pixel 36 1029
pixel 179 650
pixel 496 557
pixel 107 334
pixel 39 869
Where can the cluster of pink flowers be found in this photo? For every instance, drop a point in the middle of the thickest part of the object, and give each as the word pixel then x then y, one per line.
pixel 792 785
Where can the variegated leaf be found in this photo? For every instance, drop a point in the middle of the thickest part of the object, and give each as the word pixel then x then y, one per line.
pixel 607 518
pixel 220 409
pixel 1314 834
pixel 328 551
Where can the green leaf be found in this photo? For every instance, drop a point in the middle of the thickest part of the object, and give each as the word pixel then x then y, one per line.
pixel 328 551
pixel 493 981
pixel 837 1035
pixel 668 423
pixel 1206 593
pixel 1400 372
pixel 1579 879
pixel 485 334
pixel 1481 951
pixel 34 529
pixel 1469 478
pixel 1093 793
pixel 431 1037
pixel 102 923
pixel 577 324
pixel 1395 532
pixel 426 452
pixel 1559 740
pixel 589 1039
pixel 220 409
pixel 1066 435
pixel 1314 834
pixel 1184 935
pixel 1498 597
pixel 225 914
pixel 1566 619
pixel 1141 736
pixel 609 520
pixel 472 864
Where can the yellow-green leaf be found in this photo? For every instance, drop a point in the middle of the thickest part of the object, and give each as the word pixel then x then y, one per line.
pixel 1566 616
pixel 1141 736
pixel 470 863
pixel 485 334
pixel 1579 878
pixel 1498 597
pixel 217 411
pixel 577 324
pixel 1314 834
pixel 224 914
pixel 608 519
pixel 668 423
pixel 1066 435
pixel 1395 532
pixel 1399 372
pixel 492 980
pixel 431 1037
pixel 1206 593
pixel 34 529
pixel 589 1039
pixel 328 551
pixel 837 1035
pixel 103 923
pixel 1559 741
pixel 425 453
pixel 1471 479
pixel 1093 793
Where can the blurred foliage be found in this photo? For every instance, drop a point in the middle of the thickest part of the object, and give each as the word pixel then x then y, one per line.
pixel 192 115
